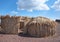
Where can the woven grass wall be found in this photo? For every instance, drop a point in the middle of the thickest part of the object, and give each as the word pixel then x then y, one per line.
pixel 40 27
pixel 9 24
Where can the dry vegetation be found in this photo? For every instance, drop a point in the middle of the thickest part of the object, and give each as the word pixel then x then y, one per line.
pixel 40 27
pixel 16 38
pixel 9 24
pixel 37 26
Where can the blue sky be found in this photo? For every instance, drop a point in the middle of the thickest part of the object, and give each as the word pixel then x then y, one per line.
pixel 32 8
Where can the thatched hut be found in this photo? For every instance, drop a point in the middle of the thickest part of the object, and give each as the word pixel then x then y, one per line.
pixel 40 27
pixel 9 24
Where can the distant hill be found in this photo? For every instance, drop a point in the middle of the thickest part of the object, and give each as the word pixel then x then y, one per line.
pixel 57 20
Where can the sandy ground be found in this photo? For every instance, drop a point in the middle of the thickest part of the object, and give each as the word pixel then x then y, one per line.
pixel 16 38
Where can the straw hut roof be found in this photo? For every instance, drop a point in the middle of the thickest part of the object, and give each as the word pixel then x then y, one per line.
pixel 44 20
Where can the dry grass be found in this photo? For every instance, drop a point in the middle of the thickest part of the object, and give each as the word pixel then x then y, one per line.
pixel 16 38
pixel 40 27
pixel 9 24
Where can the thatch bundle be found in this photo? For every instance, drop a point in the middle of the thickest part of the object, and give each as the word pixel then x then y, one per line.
pixel 10 24
pixel 40 27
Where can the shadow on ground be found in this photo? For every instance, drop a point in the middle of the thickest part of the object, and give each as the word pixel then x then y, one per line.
pixel 2 32
pixel 27 35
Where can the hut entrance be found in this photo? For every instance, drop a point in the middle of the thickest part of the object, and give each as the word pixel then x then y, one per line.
pixel 20 30
pixel 21 25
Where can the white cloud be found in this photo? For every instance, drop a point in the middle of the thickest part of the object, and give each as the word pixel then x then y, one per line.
pixel 31 5
pixel 56 5
pixel 14 12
